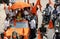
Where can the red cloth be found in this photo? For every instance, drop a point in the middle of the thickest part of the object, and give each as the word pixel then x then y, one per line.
pixel 50 25
pixel 34 10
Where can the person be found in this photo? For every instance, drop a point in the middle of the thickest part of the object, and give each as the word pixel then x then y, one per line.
pixel 55 13
pixel 58 7
pixel 14 35
pixel 19 16
pixel 33 28
pixel 38 16
pixel 47 11
pixel 36 20
pixel 57 22
pixel 43 30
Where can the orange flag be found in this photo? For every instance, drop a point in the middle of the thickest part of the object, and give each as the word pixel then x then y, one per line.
pixel 39 35
pixel 34 10
pixel 50 25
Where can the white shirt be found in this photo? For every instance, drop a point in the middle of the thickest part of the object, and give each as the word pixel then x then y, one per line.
pixel 33 24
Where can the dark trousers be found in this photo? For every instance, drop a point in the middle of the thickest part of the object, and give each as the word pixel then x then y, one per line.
pixel 32 33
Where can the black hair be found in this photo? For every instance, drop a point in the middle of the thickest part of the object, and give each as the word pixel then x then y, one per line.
pixel 29 8
pixel 14 33
pixel 47 5
pixel 37 8
pixel 33 4
pixel 25 8
pixel 55 6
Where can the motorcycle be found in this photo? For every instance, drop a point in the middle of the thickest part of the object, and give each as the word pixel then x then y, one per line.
pixel 57 32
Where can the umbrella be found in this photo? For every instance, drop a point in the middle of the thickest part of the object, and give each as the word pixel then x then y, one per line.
pixel 20 5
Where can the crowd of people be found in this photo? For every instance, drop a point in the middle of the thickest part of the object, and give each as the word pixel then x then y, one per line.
pixel 51 14
pixel 48 14
pixel 20 14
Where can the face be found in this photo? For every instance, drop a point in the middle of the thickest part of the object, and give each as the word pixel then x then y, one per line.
pixel 47 5
pixel 14 36
pixel 55 6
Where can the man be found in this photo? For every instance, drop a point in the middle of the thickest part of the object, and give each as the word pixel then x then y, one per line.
pixel 33 28
pixel 38 16
pixel 54 13
pixel 47 11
